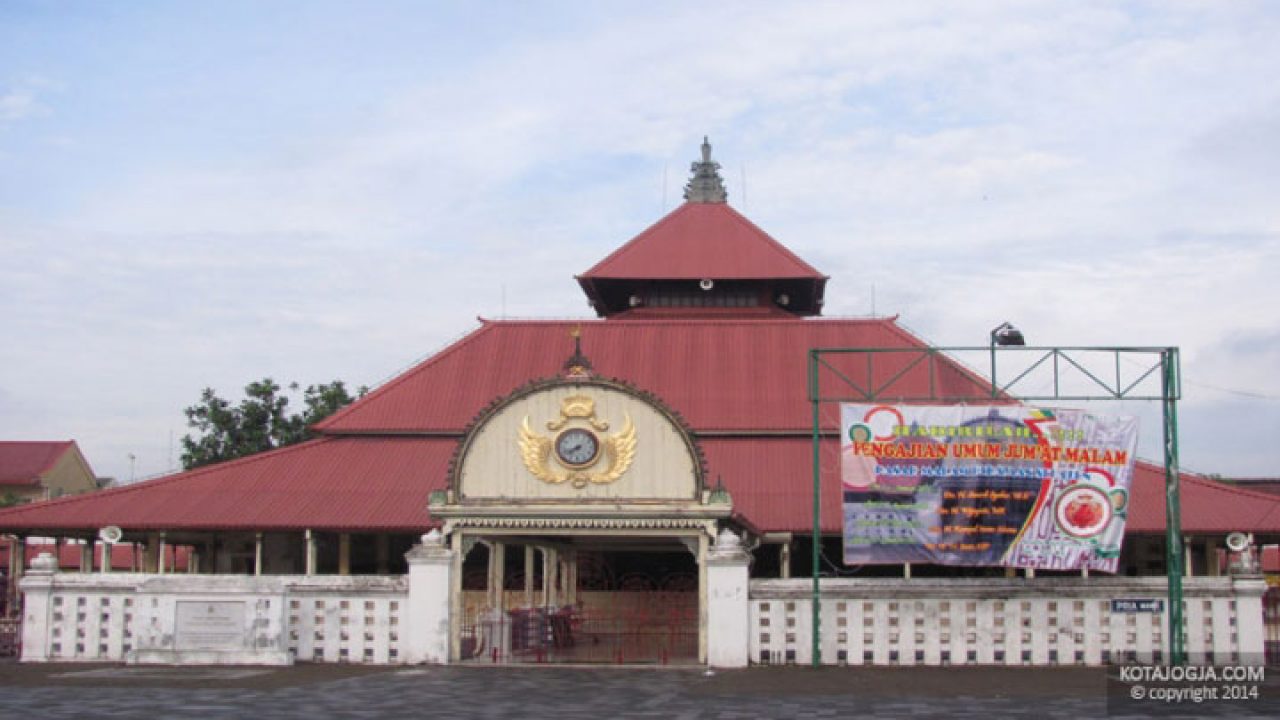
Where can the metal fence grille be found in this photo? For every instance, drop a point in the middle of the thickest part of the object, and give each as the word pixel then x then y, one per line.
pixel 652 627
pixel 10 636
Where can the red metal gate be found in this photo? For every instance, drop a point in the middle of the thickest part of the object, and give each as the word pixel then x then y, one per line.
pixel 659 628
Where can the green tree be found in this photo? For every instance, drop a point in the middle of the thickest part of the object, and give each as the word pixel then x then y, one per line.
pixel 260 422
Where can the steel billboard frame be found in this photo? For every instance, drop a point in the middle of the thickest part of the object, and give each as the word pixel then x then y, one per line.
pixel 1154 362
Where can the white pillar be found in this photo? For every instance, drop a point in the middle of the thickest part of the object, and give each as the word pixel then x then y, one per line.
pixel 571 578
pixel 497 572
pixel 37 589
pixel 528 576
pixel 161 549
pixel 257 553
pixel 311 552
pixel 728 605
pixel 1250 628
pixel 426 638
pixel 344 554
pixel 550 577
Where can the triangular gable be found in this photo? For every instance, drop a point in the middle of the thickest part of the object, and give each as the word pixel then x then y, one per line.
pixel 22 462
pixel 703 240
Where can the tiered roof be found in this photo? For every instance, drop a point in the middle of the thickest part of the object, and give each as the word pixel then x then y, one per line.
pixel 736 375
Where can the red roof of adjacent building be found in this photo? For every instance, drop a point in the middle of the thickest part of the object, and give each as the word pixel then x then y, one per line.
pixel 23 462
pixel 703 240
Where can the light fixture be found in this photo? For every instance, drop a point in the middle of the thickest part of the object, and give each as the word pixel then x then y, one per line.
pixel 634 301
pixel 784 299
pixel 1006 334
pixel 706 284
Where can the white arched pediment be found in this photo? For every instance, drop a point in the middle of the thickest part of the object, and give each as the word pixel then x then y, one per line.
pixel 577 441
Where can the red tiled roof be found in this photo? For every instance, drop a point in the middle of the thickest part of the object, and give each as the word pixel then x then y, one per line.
pixel 367 484
pixel 1208 506
pixel 22 462
pixel 744 375
pixel 334 484
pixel 1270 486
pixel 702 240
pixel 771 482
pixel 1270 559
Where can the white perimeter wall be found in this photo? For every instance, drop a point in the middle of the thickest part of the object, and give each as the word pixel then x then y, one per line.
pixel 998 621
pixel 77 617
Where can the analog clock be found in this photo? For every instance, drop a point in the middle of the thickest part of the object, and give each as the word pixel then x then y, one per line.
pixel 577 447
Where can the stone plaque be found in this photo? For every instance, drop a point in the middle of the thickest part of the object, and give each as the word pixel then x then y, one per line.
pixel 207 625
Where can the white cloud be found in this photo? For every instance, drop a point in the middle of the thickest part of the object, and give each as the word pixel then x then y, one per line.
pixel 16 104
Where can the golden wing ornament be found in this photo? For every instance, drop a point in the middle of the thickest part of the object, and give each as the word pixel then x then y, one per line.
pixel 621 448
pixel 535 450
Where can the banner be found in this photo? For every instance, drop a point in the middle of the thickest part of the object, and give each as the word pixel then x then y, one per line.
pixel 1006 485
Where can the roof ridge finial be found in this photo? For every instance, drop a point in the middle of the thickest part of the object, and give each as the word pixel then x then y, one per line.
pixel 577 367
pixel 706 185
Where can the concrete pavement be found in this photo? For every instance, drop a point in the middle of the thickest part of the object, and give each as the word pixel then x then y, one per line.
pixel 593 693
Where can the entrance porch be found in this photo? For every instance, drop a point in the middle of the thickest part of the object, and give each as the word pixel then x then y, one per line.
pixel 629 597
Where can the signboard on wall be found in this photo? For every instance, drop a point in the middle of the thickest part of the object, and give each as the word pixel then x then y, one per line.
pixel 205 625
pixel 1005 485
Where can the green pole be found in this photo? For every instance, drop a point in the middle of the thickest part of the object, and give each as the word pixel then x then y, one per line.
pixel 994 384
pixel 816 398
pixel 1173 508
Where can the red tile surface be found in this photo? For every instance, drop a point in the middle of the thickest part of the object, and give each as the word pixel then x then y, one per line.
pixel 335 484
pixel 22 462
pixel 702 240
pixel 730 374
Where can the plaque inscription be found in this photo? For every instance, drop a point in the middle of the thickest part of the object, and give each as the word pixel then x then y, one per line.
pixel 204 625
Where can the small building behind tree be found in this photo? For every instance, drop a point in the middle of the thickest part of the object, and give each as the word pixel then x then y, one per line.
pixel 43 470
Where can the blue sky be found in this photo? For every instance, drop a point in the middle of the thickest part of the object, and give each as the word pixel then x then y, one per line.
pixel 200 195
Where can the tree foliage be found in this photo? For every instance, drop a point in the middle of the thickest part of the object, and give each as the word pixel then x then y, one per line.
pixel 260 422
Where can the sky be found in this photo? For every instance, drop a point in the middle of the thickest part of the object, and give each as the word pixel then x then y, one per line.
pixel 204 194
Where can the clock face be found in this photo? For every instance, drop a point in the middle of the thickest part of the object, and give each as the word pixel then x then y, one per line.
pixel 577 447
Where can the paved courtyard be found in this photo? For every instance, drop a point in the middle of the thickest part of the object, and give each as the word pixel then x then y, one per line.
pixel 558 693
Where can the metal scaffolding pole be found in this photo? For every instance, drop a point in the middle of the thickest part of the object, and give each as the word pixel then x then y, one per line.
pixel 816 396
pixel 1173 509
